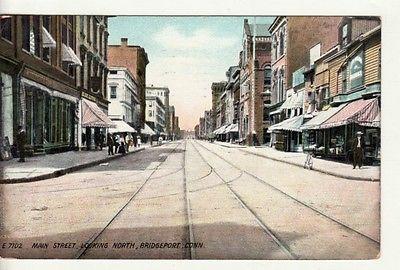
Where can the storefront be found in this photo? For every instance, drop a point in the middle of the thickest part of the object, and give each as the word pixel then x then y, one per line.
pixel 94 122
pixel 49 118
pixel 287 135
pixel 331 132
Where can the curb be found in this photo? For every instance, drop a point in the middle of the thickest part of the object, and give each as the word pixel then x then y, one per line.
pixel 64 171
pixel 314 169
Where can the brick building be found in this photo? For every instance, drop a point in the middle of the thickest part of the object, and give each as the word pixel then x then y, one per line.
pixel 297 43
pixel 255 64
pixel 91 78
pixel 135 59
pixel 38 81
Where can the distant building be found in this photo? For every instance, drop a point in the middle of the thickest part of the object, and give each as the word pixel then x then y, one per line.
pixel 163 94
pixel 134 58
pixel 217 88
pixel 155 114
pixel 123 96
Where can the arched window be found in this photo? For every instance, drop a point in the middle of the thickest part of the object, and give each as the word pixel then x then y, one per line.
pixel 267 76
pixel 281 42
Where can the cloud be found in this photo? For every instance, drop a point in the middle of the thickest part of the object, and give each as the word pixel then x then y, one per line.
pixel 170 37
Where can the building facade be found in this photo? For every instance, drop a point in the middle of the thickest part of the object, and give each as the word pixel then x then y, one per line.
pixel 297 43
pixel 91 78
pixel 155 114
pixel 163 94
pixel 135 59
pixel 217 88
pixel 255 59
pixel 38 65
pixel 123 96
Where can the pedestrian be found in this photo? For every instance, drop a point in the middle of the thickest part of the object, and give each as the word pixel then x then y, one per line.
pixel 21 141
pixel 122 145
pixel 358 150
pixel 151 140
pixel 116 143
pixel 110 144
pixel 160 140
pixel 135 141
pixel 139 142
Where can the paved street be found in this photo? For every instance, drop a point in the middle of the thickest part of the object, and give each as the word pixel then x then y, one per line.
pixel 195 200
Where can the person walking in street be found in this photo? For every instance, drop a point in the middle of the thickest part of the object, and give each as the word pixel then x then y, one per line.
pixel 21 141
pixel 116 143
pixel 139 142
pixel 110 144
pixel 358 150
pixel 100 140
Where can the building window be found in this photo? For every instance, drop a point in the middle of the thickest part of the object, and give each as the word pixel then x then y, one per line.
pixel 113 72
pixel 26 31
pixel 47 25
pixel 68 38
pixel 344 35
pixel 267 76
pixel 315 53
pixel 281 43
pixel 95 33
pixel 113 92
pixel 5 27
pixel 88 24
pixel 344 80
pixel 356 70
pixel 36 35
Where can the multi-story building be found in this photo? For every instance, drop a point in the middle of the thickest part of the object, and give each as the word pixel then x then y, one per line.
pixel 172 122
pixel 202 128
pixel 155 114
pixel 345 89
pixel 163 94
pixel 123 96
pixel 197 132
pixel 217 88
pixel 91 77
pixel 297 43
pixel 255 60
pixel 135 59
pixel 177 130
pixel 38 81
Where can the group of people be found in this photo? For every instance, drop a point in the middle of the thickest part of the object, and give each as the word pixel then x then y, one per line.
pixel 120 143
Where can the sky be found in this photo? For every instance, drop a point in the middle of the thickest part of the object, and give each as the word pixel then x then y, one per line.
pixel 186 54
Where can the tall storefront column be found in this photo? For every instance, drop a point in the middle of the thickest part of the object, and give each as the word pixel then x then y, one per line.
pixel 6 107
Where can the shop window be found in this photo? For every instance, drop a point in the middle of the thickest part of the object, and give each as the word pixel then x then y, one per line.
pixel 5 27
pixel 26 30
pixel 113 92
pixel 356 70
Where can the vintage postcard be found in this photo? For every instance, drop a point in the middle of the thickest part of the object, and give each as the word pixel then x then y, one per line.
pixel 190 137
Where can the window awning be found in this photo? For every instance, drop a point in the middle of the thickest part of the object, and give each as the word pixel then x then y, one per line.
pixel 359 111
pixel 121 127
pixel 294 101
pixel 48 40
pixel 233 128
pixel 276 111
pixel 321 117
pixel 68 55
pixel 291 124
pixel 147 130
pixel 93 116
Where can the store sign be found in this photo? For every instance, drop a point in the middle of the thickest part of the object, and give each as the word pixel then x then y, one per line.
pixel 356 70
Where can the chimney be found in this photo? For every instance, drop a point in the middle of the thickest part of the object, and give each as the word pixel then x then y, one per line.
pixel 124 42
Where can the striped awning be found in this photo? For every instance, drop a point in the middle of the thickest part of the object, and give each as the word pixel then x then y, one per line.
pixel 291 124
pixel 359 111
pixel 93 116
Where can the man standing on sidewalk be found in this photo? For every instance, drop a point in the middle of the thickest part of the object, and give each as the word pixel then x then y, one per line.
pixel 21 141
pixel 358 150
pixel 110 144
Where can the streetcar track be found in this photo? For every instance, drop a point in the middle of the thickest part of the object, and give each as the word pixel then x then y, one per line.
pixel 96 235
pixel 265 228
pixel 348 227
pixel 189 224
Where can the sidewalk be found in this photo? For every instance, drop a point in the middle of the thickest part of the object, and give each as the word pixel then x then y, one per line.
pixel 366 173
pixel 54 165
